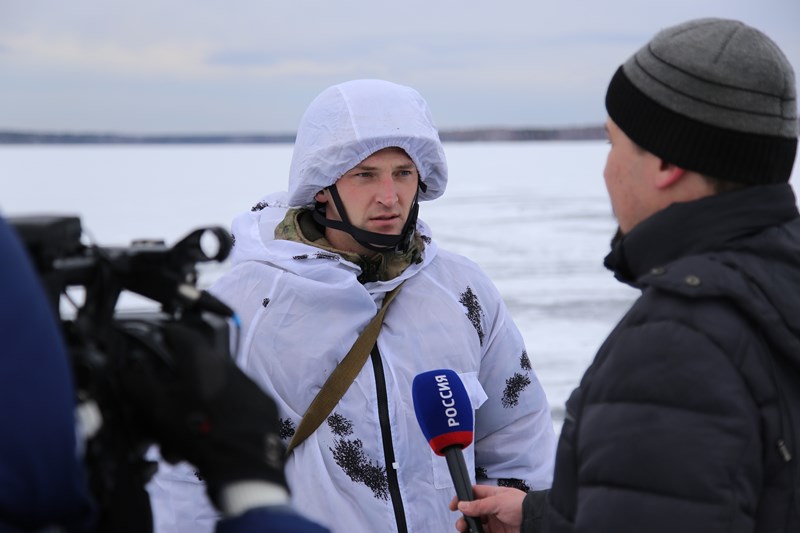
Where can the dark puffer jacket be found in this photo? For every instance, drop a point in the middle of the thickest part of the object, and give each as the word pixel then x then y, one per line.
pixel 688 420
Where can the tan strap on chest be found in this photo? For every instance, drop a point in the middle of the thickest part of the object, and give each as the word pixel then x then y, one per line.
pixel 342 376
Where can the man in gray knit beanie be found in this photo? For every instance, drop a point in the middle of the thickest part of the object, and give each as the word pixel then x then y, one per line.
pixel 688 420
pixel 714 96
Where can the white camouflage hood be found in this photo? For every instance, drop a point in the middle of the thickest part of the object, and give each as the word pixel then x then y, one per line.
pixel 348 122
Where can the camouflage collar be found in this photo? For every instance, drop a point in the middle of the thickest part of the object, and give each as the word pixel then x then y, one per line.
pixel 298 225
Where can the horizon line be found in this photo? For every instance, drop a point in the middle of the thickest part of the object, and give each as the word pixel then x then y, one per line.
pixel 17 136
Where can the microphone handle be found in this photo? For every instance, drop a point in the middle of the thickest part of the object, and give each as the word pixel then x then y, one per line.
pixel 463 485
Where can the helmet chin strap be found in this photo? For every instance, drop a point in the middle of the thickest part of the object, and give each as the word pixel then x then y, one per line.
pixel 377 242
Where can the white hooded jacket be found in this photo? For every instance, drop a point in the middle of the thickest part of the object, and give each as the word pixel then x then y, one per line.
pixel 368 467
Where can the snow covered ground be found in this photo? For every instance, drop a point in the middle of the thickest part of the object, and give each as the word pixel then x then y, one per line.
pixel 534 215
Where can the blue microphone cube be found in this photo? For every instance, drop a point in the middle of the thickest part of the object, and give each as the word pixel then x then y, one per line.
pixel 443 409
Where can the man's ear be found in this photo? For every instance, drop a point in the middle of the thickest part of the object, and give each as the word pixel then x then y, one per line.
pixel 321 197
pixel 668 175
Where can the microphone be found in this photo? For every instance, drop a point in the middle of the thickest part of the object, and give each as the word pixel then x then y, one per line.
pixel 444 413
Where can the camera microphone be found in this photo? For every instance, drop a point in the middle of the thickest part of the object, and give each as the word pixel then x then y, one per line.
pixel 444 413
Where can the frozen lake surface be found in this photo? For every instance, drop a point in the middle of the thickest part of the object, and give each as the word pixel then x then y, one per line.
pixel 534 215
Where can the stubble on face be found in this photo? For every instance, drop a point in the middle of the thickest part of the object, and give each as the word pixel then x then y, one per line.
pixel 377 194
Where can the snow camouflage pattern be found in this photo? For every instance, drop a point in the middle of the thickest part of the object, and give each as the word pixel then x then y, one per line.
pixel 369 465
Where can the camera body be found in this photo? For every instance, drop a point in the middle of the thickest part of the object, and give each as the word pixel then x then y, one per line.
pixel 103 341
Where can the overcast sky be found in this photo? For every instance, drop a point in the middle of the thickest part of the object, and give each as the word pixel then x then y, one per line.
pixel 252 66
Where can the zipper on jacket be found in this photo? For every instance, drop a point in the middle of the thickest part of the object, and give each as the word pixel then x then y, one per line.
pixel 785 419
pixel 386 436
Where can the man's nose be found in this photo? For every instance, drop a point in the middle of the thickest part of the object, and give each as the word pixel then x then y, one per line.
pixel 387 190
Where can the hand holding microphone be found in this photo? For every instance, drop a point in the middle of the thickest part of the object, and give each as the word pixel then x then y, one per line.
pixel 444 413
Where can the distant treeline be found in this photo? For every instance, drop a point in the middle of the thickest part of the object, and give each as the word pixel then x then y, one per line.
pixel 472 135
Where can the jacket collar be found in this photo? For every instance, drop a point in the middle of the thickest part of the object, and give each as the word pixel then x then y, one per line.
pixel 689 228
pixel 299 226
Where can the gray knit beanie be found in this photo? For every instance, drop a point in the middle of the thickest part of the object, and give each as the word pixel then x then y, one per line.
pixel 713 96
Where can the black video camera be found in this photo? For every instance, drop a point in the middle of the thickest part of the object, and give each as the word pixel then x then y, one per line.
pixel 103 341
